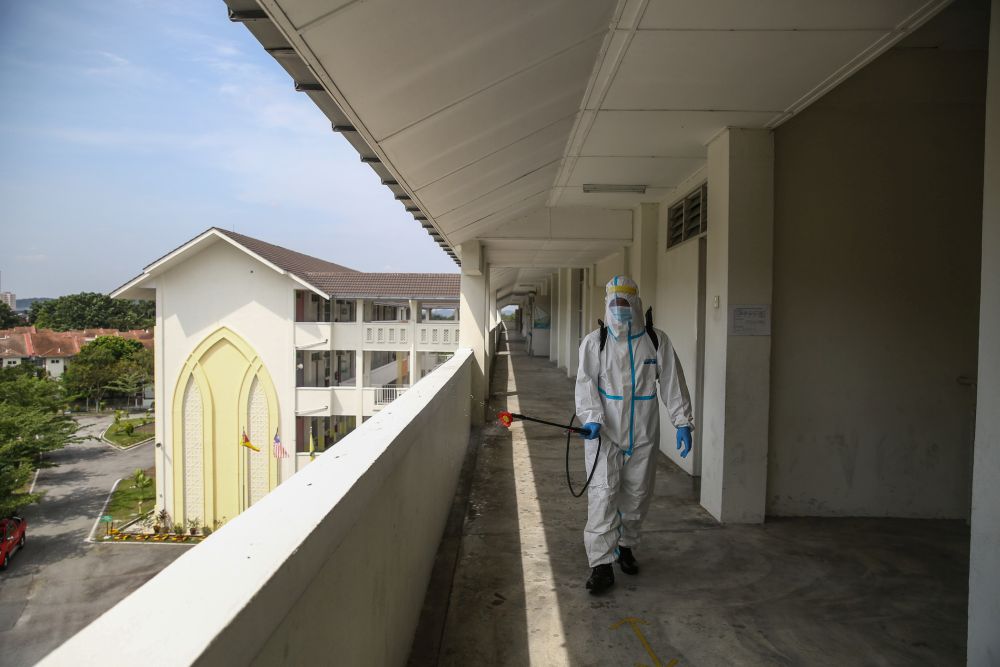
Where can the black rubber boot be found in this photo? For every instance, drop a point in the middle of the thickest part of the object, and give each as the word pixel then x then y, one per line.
pixel 627 561
pixel 601 579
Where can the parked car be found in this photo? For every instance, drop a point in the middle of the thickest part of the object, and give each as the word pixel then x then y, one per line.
pixel 13 531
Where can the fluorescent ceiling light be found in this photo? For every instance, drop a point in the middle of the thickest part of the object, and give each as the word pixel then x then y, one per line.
pixel 611 187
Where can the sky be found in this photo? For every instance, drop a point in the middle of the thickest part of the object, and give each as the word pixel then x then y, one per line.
pixel 127 127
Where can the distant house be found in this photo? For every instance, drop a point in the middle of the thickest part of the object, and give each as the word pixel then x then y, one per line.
pixel 51 350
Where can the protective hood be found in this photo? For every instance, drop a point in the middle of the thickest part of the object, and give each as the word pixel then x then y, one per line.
pixel 623 288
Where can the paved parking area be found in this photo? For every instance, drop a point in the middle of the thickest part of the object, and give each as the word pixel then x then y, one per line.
pixel 59 583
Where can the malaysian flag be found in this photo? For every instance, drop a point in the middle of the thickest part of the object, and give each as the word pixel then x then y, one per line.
pixel 279 451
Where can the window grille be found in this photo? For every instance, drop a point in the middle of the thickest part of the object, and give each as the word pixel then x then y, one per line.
pixel 689 217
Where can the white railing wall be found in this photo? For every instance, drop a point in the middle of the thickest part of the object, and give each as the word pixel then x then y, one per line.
pixel 423 336
pixel 329 568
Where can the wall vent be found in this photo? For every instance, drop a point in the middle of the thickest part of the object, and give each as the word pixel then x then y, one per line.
pixel 688 218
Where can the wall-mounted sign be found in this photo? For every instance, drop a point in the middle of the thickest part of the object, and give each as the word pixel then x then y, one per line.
pixel 541 319
pixel 754 320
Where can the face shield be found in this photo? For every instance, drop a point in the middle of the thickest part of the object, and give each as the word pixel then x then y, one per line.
pixel 623 307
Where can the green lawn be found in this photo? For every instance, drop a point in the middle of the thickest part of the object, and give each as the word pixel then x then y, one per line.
pixel 124 504
pixel 141 431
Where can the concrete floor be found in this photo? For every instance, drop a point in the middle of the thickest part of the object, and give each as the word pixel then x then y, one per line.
pixel 790 592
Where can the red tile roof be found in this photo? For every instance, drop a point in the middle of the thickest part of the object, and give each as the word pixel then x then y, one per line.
pixel 426 286
pixel 32 342
pixel 13 345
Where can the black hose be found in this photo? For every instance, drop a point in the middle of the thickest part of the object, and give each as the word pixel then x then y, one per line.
pixel 597 458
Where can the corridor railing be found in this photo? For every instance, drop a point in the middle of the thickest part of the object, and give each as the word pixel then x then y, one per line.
pixel 330 567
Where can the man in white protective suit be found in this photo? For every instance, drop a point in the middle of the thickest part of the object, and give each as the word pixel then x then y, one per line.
pixel 616 388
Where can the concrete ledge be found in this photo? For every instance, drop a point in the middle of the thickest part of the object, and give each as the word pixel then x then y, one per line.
pixel 330 566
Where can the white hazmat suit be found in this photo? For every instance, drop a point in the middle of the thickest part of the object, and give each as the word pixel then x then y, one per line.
pixel 617 388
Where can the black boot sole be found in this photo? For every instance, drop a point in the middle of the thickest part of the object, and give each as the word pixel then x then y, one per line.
pixel 628 569
pixel 601 585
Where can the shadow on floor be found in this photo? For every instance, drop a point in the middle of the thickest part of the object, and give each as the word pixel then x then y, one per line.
pixel 789 592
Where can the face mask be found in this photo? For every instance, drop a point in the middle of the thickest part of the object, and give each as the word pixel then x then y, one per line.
pixel 623 314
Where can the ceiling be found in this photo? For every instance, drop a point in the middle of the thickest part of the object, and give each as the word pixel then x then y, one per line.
pixel 480 114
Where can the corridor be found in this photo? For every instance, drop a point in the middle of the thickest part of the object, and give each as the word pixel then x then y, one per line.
pixel 794 591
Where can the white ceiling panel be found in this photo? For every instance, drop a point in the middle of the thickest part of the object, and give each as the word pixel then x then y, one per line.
pixel 777 14
pixel 498 217
pixel 475 106
pixel 425 56
pixel 662 172
pixel 525 188
pixel 664 133
pixel 304 12
pixel 498 169
pixel 493 119
pixel 733 70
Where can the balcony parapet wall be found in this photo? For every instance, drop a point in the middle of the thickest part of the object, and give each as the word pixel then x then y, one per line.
pixel 424 336
pixel 281 583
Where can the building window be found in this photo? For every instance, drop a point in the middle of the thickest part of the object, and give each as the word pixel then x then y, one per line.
pixel 313 369
pixel 324 432
pixel 345 310
pixel 689 217
pixel 310 307
pixel 439 313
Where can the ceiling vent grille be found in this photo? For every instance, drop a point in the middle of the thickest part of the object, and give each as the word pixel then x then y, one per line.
pixel 689 217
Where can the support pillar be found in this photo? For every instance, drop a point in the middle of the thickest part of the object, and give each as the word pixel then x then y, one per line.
pixel 565 316
pixel 737 336
pixel 414 359
pixel 644 241
pixel 554 311
pixel 473 322
pixel 361 371
pixel 984 562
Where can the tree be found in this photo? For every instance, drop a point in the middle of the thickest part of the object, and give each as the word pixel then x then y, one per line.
pixel 8 318
pixel 109 364
pixel 32 422
pixel 90 310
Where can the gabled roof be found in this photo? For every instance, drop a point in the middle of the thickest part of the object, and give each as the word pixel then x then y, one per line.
pixel 427 286
pixel 13 345
pixel 322 277
pixel 289 260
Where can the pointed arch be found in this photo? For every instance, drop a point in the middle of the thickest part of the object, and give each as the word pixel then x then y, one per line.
pixel 237 395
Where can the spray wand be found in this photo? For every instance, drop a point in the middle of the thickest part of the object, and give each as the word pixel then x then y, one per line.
pixel 507 418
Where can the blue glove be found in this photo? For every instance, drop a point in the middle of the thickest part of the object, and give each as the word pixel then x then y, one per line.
pixel 684 440
pixel 593 429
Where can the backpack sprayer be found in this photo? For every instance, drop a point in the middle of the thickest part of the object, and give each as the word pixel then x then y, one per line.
pixel 507 418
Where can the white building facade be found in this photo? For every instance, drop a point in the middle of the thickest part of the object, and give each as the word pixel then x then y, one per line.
pixel 248 341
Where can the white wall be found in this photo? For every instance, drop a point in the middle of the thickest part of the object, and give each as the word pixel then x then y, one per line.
pixel 676 313
pixel 877 224
pixel 222 286
pixel 984 576
pixel 343 576
pixel 540 337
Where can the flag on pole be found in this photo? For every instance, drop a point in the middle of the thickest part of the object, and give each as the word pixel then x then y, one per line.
pixel 312 444
pixel 246 442
pixel 279 451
